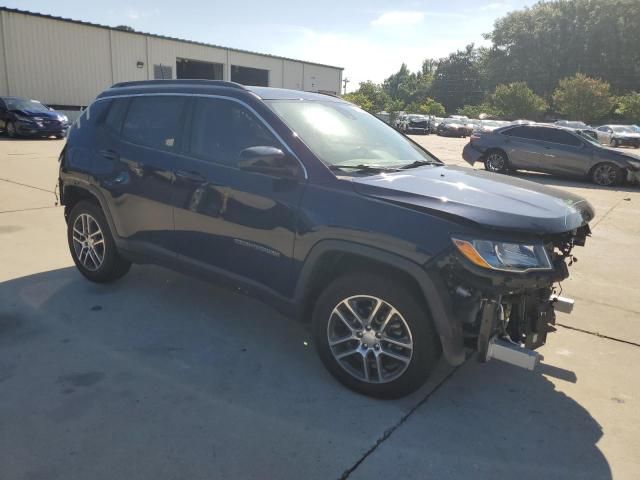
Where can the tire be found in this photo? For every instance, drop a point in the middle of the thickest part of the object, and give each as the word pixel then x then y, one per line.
pixel 11 130
pixel 410 325
pixel 614 142
pixel 496 161
pixel 607 175
pixel 99 260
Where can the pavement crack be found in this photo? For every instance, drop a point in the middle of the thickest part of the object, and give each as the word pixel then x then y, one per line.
pixel 605 304
pixel 613 207
pixel 25 185
pixel 28 209
pixel 387 433
pixel 599 335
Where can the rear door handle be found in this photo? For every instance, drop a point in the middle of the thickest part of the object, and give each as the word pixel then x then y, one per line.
pixel 110 154
pixel 190 176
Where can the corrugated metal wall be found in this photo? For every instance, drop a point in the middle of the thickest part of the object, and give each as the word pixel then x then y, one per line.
pixel 66 63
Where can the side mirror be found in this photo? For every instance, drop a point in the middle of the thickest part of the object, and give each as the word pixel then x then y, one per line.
pixel 268 161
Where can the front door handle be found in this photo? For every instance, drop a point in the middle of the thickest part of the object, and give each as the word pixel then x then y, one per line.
pixel 194 177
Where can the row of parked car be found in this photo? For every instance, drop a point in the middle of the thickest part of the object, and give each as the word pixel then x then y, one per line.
pixel 462 126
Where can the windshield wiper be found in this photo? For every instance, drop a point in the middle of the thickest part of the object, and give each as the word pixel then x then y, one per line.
pixel 362 168
pixel 419 163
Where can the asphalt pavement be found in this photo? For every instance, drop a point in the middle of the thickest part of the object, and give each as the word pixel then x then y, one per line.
pixel 161 376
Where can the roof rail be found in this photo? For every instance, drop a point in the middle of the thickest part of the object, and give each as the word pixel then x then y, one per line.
pixel 211 83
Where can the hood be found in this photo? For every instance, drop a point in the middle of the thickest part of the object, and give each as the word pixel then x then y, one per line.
pixel 487 199
pixel 38 114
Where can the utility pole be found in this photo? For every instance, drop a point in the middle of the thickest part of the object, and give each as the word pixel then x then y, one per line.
pixel 345 81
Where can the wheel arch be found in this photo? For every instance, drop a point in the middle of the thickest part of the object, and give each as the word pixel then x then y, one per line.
pixel 623 170
pixel 331 258
pixel 72 194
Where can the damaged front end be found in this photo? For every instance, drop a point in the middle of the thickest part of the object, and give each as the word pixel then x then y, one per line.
pixel 505 294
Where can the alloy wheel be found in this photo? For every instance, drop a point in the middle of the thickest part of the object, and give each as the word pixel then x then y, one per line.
pixel 370 339
pixel 605 175
pixel 495 162
pixel 11 130
pixel 88 242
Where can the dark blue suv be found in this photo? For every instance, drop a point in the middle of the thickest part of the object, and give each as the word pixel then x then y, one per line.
pixel 325 212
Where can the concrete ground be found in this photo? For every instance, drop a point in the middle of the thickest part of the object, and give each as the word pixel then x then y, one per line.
pixel 162 376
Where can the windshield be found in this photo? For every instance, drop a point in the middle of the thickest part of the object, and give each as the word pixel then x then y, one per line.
pixel 620 129
pixel 342 134
pixel 24 104
pixel 490 123
pixel 588 138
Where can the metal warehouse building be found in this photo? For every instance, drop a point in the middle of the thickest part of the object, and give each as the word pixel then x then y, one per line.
pixel 66 63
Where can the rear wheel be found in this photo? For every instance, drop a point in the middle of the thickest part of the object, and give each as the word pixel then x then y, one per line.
pixel 606 174
pixel 496 161
pixel 374 336
pixel 92 246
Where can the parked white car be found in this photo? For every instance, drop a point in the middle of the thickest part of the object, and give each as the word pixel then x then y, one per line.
pixel 618 135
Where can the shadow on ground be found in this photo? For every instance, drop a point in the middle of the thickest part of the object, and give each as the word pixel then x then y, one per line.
pixel 162 376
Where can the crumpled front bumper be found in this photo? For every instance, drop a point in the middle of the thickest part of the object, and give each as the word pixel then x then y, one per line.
pixel 471 155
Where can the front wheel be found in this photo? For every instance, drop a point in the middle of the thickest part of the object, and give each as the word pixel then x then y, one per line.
pixel 12 132
pixel 614 142
pixel 606 174
pixel 92 246
pixel 374 336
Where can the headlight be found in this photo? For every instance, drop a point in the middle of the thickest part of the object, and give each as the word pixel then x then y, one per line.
pixel 511 257
pixel 634 164
pixel 63 118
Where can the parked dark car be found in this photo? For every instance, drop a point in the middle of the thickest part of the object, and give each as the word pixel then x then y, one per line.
pixel 24 117
pixel 416 124
pixel 330 215
pixel 453 127
pixel 549 149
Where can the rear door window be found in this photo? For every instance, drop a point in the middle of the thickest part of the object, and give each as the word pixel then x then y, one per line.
pixel 221 129
pixel 155 121
pixel 558 136
pixel 522 132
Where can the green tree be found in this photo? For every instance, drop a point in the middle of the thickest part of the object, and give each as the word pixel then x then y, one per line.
pixel 630 107
pixel 428 107
pixel 457 80
pixel 517 100
pixel 369 96
pixel 484 110
pixel 360 99
pixel 583 98
pixel 555 40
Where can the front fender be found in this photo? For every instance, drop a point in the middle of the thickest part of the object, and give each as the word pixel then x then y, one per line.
pixel 431 285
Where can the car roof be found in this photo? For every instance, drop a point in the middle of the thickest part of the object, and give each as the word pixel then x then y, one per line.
pixel 534 125
pixel 212 87
pixel 272 93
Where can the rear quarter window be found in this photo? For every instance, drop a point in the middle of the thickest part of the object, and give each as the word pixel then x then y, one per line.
pixel 154 121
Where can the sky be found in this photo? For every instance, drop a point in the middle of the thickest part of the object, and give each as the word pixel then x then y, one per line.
pixel 370 40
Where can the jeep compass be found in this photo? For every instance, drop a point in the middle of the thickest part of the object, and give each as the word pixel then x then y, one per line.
pixel 328 214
